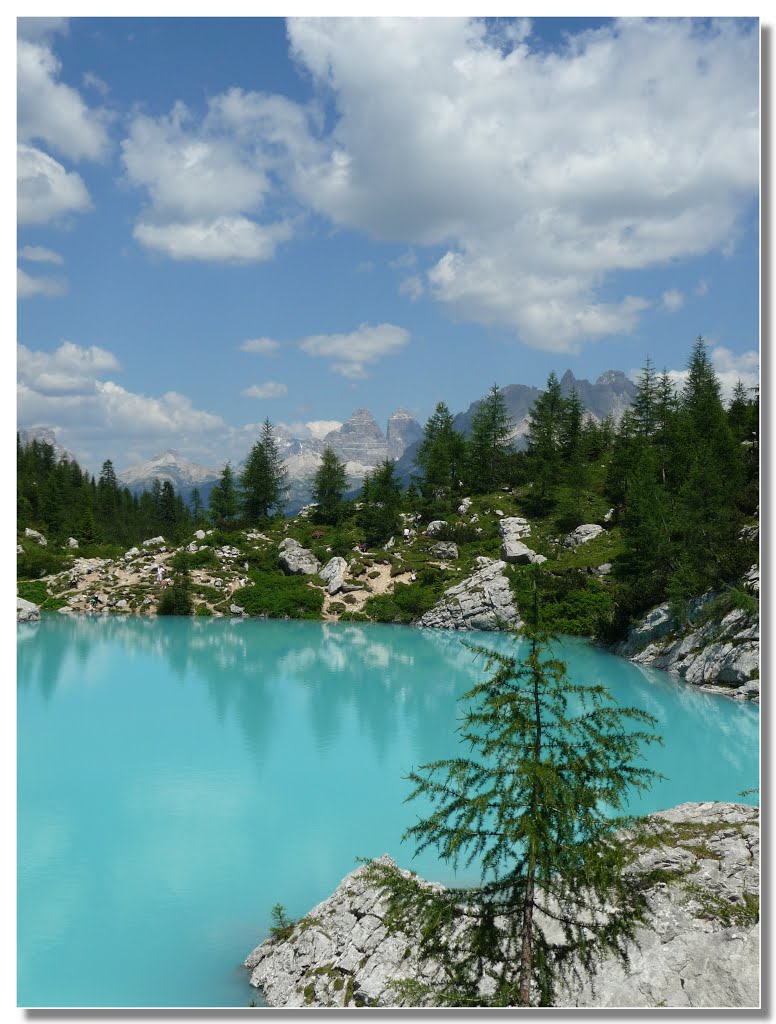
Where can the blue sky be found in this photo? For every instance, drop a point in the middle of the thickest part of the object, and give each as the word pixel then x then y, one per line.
pixel 222 220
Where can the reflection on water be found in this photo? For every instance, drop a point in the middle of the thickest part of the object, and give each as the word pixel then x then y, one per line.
pixel 193 773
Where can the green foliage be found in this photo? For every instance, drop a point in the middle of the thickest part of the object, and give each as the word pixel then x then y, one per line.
pixel 36 561
pixel 176 600
pixel 203 611
pixel 458 533
pixel 441 458
pixel 489 444
pixel 264 482
pixel 205 558
pixel 329 486
pixel 32 590
pixel 572 602
pixel 381 495
pixel 282 926
pixel 278 596
pixel 535 800
pixel 223 505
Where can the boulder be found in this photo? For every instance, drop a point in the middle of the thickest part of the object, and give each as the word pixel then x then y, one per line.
pixel 698 948
pixel 334 573
pixel 132 553
pixel 517 553
pixel 19 549
pixel 482 601
pixel 192 548
pixel 514 528
pixel 464 507
pixel 199 534
pixel 153 542
pixel 296 560
pixel 235 609
pixel 444 549
pixel 583 534
pixel 26 611
pixel 435 526
pixel 34 535
pixel 72 542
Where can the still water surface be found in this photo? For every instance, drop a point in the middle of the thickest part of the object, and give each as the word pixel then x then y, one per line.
pixel 176 778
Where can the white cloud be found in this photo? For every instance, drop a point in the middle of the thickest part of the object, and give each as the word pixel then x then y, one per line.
pixel 28 286
pixel 702 288
pixel 223 240
pixel 260 346
pixel 353 352
pixel 320 428
pixel 412 287
pixel 406 261
pixel 542 173
pixel 729 368
pixel 54 113
pixel 45 190
pixel 312 428
pixel 269 389
pixel 672 300
pixel 40 28
pixel 38 254
pixel 97 418
pixel 206 181
pixel 92 81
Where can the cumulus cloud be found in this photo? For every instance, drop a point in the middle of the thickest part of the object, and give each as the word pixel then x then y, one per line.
pixel 269 389
pixel 206 180
pixel 730 367
pixel 672 300
pixel 352 353
pixel 45 191
pixel 542 173
pixel 312 428
pixel 28 286
pixel 38 254
pixel 96 417
pixel 53 113
pixel 412 287
pixel 260 346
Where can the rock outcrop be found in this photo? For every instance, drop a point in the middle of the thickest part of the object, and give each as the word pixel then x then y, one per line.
pixel 403 430
pixel 721 656
pixel 35 535
pixel 700 947
pixel 583 534
pixel 296 560
pixel 334 573
pixel 26 611
pixel 482 601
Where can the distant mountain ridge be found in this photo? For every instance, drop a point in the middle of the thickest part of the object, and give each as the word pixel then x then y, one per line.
pixel 47 435
pixel 360 442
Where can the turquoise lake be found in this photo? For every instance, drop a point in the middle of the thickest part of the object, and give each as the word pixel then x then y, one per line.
pixel 176 778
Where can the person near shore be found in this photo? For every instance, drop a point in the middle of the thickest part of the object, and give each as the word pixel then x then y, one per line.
pixel 159 574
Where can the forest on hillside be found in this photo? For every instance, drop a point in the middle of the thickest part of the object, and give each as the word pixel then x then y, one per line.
pixel 677 478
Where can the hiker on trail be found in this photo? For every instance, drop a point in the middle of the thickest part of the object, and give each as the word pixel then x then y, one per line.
pixel 406 534
pixel 159 574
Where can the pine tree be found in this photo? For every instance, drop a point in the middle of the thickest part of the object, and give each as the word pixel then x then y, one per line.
pixel 380 501
pixel 264 481
pixel 536 803
pixel 223 506
pixel 197 507
pixel 440 457
pixel 646 400
pixel 489 442
pixel 545 427
pixel 329 485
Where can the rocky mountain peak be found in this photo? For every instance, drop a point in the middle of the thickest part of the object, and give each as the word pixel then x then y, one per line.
pixel 47 436
pixel 403 430
pixel 362 423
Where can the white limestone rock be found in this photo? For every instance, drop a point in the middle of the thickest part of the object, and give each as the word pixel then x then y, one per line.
pixel 26 611
pixel 72 542
pixel 153 542
pixel 583 534
pixel 517 553
pixel 132 553
pixel 296 560
pixel 334 573
pixel 341 953
pixel 444 549
pixel 34 535
pixel 199 534
pixel 482 601
pixel 435 526
pixel 464 507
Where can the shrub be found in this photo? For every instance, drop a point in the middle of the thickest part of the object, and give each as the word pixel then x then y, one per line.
pixel 37 561
pixel 175 601
pixel 336 607
pixel 459 533
pixel 354 617
pixel 572 602
pixel 203 559
pixel 203 610
pixel 32 590
pixel 278 596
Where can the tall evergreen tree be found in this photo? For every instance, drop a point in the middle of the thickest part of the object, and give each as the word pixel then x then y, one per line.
pixel 489 443
pixel 329 485
pixel 440 456
pixel 381 496
pixel 223 505
pixel 264 481
pixel 536 802
pixel 646 400
pixel 545 428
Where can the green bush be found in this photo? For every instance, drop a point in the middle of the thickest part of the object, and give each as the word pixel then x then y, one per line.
pixel 572 602
pixel 32 590
pixel 203 559
pixel 459 533
pixel 38 561
pixel 336 607
pixel 175 601
pixel 354 617
pixel 203 610
pixel 279 596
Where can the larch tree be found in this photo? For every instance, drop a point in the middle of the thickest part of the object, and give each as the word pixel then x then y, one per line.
pixel 536 804
pixel 329 485
pixel 264 481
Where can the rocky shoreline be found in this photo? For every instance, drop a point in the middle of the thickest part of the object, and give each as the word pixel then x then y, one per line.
pixel 700 949
pixel 717 649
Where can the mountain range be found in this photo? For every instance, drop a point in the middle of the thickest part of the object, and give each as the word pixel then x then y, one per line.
pixel 361 443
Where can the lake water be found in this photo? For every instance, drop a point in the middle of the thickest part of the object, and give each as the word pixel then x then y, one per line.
pixel 176 778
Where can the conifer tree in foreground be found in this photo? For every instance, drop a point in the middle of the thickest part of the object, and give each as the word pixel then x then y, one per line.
pixel 264 482
pixel 329 485
pixel 223 507
pixel 440 456
pixel 537 806
pixel 489 443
